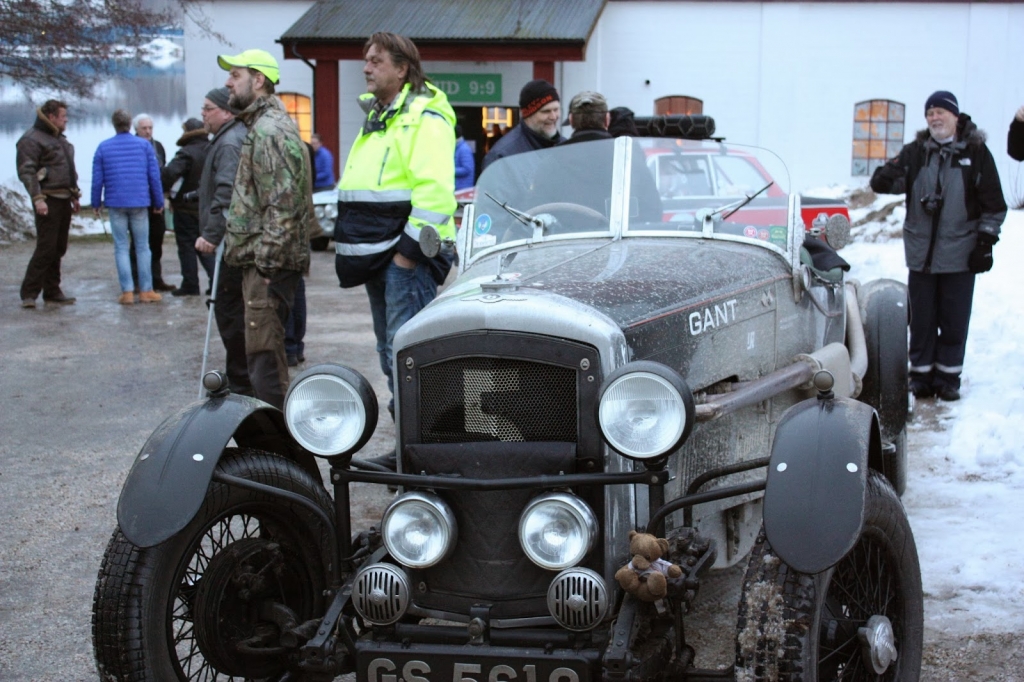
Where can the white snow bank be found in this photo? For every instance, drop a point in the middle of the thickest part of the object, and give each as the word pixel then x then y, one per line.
pixel 965 494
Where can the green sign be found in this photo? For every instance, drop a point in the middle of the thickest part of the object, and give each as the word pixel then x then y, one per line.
pixel 469 87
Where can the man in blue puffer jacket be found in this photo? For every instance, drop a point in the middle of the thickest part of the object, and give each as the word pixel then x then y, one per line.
pixel 126 177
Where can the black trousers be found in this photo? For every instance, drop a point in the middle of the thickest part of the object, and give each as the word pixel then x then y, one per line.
pixel 940 313
pixel 43 272
pixel 186 232
pixel 295 328
pixel 157 227
pixel 229 310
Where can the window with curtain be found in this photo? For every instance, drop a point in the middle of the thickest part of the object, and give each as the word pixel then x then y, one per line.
pixel 678 104
pixel 877 134
pixel 299 107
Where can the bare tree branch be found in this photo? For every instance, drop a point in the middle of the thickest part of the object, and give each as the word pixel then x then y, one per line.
pixel 68 46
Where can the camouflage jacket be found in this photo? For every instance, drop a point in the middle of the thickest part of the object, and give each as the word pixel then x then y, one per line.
pixel 271 212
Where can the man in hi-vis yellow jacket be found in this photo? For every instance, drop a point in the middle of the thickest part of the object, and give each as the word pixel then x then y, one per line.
pixel 398 179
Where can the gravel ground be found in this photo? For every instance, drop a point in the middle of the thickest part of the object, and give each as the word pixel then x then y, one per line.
pixel 83 386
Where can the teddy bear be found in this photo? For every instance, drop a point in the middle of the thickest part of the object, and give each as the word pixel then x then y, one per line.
pixel 645 576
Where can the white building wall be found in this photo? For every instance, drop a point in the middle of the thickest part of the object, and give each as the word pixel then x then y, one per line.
pixel 244 25
pixel 784 76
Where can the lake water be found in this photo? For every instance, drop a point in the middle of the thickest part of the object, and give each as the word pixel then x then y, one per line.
pixel 156 87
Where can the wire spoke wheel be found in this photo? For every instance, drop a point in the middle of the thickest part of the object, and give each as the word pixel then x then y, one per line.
pixel 216 600
pixel 860 621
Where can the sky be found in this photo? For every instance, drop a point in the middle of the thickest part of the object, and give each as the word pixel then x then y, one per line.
pixel 965 491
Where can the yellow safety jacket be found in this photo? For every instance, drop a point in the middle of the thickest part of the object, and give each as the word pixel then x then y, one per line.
pixel 399 177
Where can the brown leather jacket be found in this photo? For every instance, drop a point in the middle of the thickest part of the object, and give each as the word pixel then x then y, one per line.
pixel 46 162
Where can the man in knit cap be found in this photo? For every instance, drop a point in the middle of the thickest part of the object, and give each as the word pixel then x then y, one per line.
pixel 540 111
pixel 215 189
pixel 955 208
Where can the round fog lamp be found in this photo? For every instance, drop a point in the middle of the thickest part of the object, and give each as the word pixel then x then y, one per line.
pixel 557 530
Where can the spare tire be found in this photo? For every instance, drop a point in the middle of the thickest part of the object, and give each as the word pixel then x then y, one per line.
pixel 884 310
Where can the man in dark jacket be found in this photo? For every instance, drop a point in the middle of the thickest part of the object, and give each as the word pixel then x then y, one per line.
pixel 181 179
pixel 215 186
pixel 539 111
pixel 143 126
pixel 955 207
pixel 1015 138
pixel 46 166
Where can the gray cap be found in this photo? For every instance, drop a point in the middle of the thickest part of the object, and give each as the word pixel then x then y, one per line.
pixel 588 99
pixel 219 97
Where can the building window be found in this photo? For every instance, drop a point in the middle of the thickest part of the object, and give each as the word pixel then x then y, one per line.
pixel 678 104
pixel 298 107
pixel 877 134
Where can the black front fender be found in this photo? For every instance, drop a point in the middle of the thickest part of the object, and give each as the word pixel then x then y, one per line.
pixel 817 479
pixel 170 475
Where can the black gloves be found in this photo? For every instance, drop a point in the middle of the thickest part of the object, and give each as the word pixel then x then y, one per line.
pixel 888 179
pixel 980 259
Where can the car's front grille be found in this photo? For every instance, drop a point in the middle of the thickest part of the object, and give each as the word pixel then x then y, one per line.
pixel 470 399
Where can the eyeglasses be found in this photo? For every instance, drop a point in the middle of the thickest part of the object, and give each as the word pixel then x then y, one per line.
pixel 207 109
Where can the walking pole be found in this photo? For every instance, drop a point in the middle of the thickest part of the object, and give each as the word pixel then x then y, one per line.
pixel 209 318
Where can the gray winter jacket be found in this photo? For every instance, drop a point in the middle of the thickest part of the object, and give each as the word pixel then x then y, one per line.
pixel 964 174
pixel 218 180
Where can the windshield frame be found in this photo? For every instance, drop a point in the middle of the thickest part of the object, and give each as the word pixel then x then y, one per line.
pixel 619 226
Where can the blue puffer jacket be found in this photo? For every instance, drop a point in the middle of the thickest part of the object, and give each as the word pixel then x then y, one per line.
pixel 125 174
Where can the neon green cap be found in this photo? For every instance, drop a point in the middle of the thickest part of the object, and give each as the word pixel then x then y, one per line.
pixel 260 60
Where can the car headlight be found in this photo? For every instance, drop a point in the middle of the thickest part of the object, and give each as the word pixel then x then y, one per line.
pixel 419 529
pixel 556 530
pixel 330 410
pixel 645 410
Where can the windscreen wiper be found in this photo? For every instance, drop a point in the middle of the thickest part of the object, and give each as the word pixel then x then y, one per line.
pixel 521 216
pixel 742 202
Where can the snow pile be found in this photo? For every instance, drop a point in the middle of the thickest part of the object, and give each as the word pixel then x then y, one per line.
pixel 966 478
pixel 17 223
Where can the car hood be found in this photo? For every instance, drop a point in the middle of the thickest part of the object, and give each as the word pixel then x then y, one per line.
pixel 637 280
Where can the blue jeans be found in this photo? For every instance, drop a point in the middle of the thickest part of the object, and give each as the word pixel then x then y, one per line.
pixel 136 220
pixel 396 294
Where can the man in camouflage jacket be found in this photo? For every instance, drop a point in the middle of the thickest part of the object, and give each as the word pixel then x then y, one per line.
pixel 46 166
pixel 270 217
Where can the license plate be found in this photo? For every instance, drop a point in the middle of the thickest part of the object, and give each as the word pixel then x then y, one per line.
pixel 438 663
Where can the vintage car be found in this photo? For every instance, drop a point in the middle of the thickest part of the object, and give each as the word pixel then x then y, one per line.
pixel 325 207
pixel 594 370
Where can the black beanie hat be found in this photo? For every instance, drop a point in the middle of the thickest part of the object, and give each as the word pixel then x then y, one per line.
pixel 192 124
pixel 219 97
pixel 944 100
pixel 534 96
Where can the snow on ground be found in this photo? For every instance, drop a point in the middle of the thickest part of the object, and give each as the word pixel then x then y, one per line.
pixel 965 494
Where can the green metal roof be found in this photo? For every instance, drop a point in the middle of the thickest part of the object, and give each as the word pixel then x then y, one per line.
pixel 449 20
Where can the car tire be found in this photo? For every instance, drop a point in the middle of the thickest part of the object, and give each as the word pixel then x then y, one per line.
pixel 147 598
pixel 320 243
pixel 795 627
pixel 884 310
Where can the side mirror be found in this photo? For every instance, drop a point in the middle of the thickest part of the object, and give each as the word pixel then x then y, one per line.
pixel 837 231
pixel 430 241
